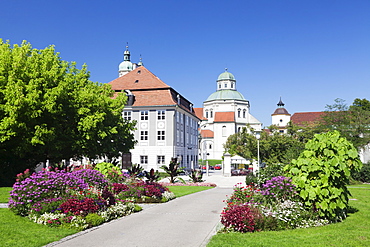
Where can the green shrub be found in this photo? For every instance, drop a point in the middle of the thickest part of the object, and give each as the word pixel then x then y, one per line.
pixel 363 175
pixel 94 219
pixel 322 172
pixel 269 171
pixel 110 171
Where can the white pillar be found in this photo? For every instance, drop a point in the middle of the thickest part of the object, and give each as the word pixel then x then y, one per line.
pixel 227 165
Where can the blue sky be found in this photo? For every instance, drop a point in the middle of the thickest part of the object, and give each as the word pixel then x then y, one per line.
pixel 308 52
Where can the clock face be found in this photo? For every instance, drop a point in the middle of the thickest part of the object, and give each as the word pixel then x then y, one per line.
pixel 144 125
pixel 160 125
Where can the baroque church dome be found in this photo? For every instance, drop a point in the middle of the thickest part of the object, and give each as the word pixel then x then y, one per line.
pixel 226 76
pixel 226 88
pixel 226 94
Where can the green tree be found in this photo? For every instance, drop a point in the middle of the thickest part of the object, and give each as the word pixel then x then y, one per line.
pixel 50 110
pixel 352 122
pixel 275 147
pixel 322 172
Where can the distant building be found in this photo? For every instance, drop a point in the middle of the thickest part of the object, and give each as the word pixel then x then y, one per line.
pixel 167 126
pixel 307 118
pixel 224 113
pixel 281 117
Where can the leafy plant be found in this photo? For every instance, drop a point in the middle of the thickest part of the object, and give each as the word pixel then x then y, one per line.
pixel 152 176
pixel 173 169
pixel 251 179
pixel 110 171
pixel 322 172
pixel 136 171
pixel 196 176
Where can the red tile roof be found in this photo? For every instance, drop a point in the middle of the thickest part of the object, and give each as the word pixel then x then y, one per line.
pixel 207 133
pixel 139 78
pixel 224 117
pixel 153 97
pixel 199 113
pixel 306 118
pixel 149 90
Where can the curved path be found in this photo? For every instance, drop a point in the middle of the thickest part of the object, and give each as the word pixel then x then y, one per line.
pixel 186 221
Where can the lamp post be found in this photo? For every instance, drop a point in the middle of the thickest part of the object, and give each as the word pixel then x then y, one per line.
pixel 258 136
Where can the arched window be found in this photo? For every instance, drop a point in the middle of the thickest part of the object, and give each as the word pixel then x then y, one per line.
pixel 224 131
pixel 232 85
pixel 244 113
pixel 239 113
pixel 211 113
pixel 206 113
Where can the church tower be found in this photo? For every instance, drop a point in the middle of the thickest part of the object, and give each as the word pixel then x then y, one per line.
pixel 127 66
pixel 280 117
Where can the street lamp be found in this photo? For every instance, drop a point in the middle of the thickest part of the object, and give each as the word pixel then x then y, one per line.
pixel 258 136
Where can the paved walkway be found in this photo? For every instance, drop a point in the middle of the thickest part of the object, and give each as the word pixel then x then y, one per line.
pixel 186 221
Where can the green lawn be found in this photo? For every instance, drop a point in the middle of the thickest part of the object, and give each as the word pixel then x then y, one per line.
pixel 4 194
pixel 354 231
pixel 186 190
pixel 19 231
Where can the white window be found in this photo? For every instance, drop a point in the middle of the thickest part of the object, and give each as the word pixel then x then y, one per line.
pixel 244 111
pixel 161 115
pixel 211 113
pixel 206 113
pixel 144 135
pixel 160 135
pixel 239 113
pixel 224 131
pixel 144 115
pixel 160 159
pixel 143 159
pixel 127 115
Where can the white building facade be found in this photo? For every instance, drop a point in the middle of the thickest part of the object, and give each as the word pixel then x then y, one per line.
pixel 166 125
pixel 224 113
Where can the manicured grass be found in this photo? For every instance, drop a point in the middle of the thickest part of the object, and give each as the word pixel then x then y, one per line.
pixel 4 194
pixel 186 190
pixel 354 231
pixel 19 231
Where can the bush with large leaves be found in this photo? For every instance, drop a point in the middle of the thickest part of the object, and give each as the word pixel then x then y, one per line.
pixel 322 172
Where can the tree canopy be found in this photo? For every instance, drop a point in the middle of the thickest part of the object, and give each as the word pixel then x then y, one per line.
pixel 50 110
pixel 351 121
pixel 274 147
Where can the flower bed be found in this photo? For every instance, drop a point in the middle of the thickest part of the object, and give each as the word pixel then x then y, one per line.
pixel 82 198
pixel 272 206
